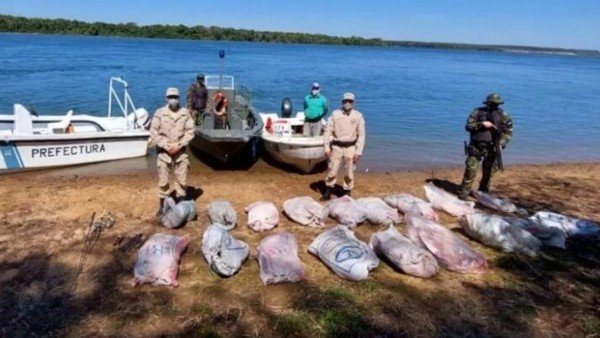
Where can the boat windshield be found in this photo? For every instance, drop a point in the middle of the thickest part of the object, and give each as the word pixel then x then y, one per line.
pixel 225 82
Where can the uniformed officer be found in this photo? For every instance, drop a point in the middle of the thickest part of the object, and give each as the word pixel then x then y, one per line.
pixel 172 129
pixel 344 141
pixel 197 97
pixel 491 129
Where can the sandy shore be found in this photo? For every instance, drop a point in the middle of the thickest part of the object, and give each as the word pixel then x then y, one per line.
pixel 44 216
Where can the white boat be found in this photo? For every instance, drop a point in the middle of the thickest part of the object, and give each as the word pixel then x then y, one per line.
pixel 29 141
pixel 283 140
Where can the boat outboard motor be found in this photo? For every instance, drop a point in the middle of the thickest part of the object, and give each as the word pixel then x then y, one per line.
pixel 140 117
pixel 286 107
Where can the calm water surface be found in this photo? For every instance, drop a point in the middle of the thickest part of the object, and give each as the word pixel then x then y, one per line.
pixel 415 101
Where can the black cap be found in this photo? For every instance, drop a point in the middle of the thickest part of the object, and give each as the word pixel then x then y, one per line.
pixel 200 76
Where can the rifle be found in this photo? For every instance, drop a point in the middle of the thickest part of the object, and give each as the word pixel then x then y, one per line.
pixel 496 136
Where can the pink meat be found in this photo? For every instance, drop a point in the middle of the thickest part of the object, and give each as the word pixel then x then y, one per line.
pixel 408 204
pixel 346 211
pixel 262 216
pixel 451 251
pixel 158 260
pixel 443 200
pixel 278 260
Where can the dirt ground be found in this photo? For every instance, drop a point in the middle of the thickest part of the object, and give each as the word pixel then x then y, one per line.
pixel 44 218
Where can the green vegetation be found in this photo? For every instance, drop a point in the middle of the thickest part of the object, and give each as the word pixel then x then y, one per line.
pixel 61 26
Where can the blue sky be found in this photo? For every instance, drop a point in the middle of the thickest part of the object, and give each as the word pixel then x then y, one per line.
pixel 549 23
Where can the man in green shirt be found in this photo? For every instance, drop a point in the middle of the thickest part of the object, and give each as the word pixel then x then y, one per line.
pixel 315 108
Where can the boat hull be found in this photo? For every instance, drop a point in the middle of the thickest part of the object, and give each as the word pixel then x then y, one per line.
pixel 302 157
pixel 22 153
pixel 226 151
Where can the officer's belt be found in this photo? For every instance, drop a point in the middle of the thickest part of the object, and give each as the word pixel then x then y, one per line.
pixel 160 150
pixel 343 144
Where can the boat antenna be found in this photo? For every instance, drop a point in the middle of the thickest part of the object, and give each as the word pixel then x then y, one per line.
pixel 221 61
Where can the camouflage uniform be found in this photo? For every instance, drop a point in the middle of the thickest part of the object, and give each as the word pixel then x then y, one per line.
pixel 197 97
pixel 482 147
pixel 175 127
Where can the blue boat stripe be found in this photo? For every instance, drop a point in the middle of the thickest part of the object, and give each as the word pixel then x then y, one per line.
pixel 10 155
pixel 22 165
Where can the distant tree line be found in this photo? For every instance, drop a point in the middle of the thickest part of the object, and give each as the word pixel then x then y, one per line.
pixel 16 24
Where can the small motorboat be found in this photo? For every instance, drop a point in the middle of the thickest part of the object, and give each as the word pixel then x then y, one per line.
pixel 283 140
pixel 236 137
pixel 30 141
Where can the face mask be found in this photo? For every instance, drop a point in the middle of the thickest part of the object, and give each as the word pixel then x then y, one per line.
pixel 173 103
pixel 315 92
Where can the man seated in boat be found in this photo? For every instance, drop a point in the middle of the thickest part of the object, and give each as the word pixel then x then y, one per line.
pixel 220 105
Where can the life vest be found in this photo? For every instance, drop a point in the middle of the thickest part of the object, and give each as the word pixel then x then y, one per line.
pixel 220 99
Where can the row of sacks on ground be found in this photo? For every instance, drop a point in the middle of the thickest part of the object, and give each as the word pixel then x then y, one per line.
pixel 427 245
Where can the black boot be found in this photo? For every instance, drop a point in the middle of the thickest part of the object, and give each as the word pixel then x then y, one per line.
pixel 347 192
pixel 326 194
pixel 160 207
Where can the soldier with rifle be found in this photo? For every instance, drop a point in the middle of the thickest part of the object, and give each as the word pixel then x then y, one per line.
pixel 491 129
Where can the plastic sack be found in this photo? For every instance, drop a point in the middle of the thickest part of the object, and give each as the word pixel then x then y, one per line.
pixel 345 254
pixel 572 226
pixel 548 235
pixel 403 255
pixel 222 252
pixel 176 215
pixel 494 231
pixel 378 212
pixel 158 260
pixel 498 204
pixel 451 252
pixel 346 211
pixel 278 260
pixel 409 204
pixel 262 216
pixel 306 211
pixel 443 200
pixel 223 213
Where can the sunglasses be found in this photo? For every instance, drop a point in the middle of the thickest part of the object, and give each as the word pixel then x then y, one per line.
pixel 347 101
pixel 172 97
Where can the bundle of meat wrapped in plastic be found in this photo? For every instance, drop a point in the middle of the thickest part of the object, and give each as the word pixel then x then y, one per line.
pixel 409 204
pixel 345 254
pixel 223 213
pixel 378 212
pixel 553 229
pixel 262 216
pixel 570 225
pixel 306 211
pixel 549 236
pixel 158 260
pixel 451 252
pixel 498 233
pixel 346 211
pixel 498 204
pixel 278 260
pixel 222 252
pixel 403 254
pixel 177 214
pixel 443 200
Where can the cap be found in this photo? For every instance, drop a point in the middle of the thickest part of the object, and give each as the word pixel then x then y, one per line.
pixel 316 85
pixel 493 98
pixel 200 76
pixel 172 92
pixel 348 97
